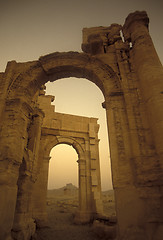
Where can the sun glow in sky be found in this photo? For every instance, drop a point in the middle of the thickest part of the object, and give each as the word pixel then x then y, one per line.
pixel 33 28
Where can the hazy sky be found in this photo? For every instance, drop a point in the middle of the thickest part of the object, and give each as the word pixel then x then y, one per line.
pixel 30 29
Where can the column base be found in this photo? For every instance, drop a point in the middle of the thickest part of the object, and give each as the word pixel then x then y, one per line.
pixel 24 230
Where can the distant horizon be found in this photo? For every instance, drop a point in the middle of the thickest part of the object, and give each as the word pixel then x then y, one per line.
pixel 76 187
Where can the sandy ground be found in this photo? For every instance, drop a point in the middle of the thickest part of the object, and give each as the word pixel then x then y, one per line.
pixel 61 210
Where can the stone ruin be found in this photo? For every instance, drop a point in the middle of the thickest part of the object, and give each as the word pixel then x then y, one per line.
pixel 123 63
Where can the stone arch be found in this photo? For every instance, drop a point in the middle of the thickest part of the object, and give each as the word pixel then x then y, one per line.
pixel 65 140
pixel 82 215
pixel 60 65
pixel 87 152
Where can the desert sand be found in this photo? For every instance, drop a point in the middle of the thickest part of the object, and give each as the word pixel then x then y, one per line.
pixel 61 207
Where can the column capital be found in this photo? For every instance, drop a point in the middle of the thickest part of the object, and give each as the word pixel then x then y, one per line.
pixel 138 16
pixel 132 22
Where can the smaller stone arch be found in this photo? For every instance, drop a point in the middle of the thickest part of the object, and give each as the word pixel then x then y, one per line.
pixel 65 140
pixel 83 214
pixel 75 144
pixel 87 204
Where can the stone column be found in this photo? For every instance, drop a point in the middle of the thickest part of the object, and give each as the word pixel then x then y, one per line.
pixel 149 70
pixel 83 215
pixel 90 202
pixel 39 196
pixel 150 73
pixel 82 186
pixel 12 143
pixel 24 225
pixel 97 206
pixel 130 208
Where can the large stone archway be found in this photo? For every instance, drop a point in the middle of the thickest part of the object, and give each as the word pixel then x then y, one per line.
pixel 129 73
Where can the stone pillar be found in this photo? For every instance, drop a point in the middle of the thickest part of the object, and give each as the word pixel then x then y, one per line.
pixel 149 70
pixel 39 196
pixel 97 206
pixel 90 202
pixel 83 214
pixel 82 186
pixel 12 143
pixel 24 225
pixel 150 73
pixel 130 208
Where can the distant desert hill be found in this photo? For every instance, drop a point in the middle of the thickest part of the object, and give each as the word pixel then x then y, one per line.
pixel 69 189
